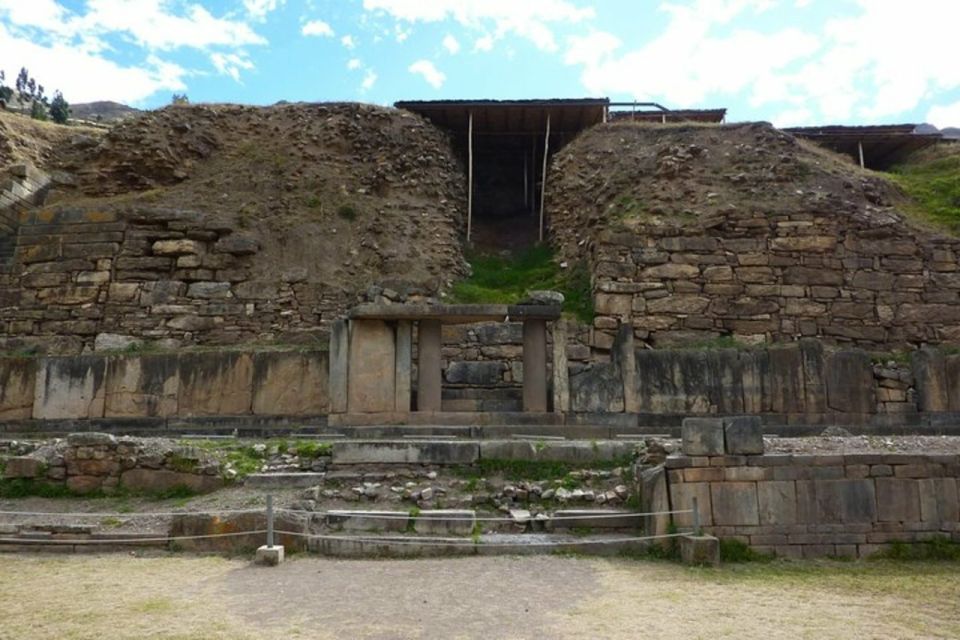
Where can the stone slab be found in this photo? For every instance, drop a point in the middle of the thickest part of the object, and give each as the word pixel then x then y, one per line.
pixel 700 550
pixel 456 522
pixel 702 436
pixel 409 452
pixel 350 520
pixel 743 435
pixel 215 384
pixel 269 556
pixel 371 386
pixel 898 499
pixel 735 503
pixel 17 387
pixel 142 386
pixel 594 519
pixel 290 383
pixel 70 388
pixel 777 502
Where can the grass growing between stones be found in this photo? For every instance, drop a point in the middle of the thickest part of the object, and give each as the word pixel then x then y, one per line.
pixel 932 180
pixel 506 279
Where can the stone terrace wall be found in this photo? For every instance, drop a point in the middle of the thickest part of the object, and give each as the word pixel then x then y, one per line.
pixel 186 384
pixel 799 383
pixel 86 278
pixel 866 279
pixel 819 505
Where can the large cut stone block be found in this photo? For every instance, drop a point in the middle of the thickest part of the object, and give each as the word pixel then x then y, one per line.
pixel 339 365
pixel 17 379
pixel 24 467
pixel 929 371
pixel 597 389
pixel 777 501
pixel 70 388
pixel 655 499
pixel 158 480
pixel 938 500
pixel 898 499
pixel 142 386
pixel 371 386
pixel 215 384
pixel 743 435
pixel 702 436
pixel 681 497
pixel 700 550
pixel 734 503
pixel 841 502
pixel 484 373
pixel 851 387
pixel 290 383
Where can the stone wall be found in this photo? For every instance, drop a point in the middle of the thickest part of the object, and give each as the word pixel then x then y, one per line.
pixel 819 505
pixel 85 279
pixel 797 383
pixel 89 462
pixel 857 280
pixel 162 385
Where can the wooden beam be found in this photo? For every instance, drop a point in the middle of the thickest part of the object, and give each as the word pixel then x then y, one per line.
pixel 469 175
pixel 860 149
pixel 543 186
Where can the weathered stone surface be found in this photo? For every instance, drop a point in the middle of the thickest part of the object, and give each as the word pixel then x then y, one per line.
pixel 700 550
pixel 655 498
pixel 139 386
pixel 70 388
pixel 898 500
pixel 939 500
pixel 91 439
pixel 681 498
pixel 743 435
pixel 597 389
pixel 929 371
pixel 836 501
pixel 475 373
pixel 777 502
pixel 215 384
pixel 209 290
pixel 290 383
pixel 734 503
pixel 850 384
pixel 426 452
pixel 17 379
pixel 238 245
pixel 178 247
pixel 115 342
pixel 24 467
pixel 702 436
pixel 371 386
pixel 200 531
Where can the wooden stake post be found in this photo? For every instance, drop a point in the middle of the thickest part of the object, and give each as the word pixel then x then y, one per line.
pixel 543 186
pixel 469 176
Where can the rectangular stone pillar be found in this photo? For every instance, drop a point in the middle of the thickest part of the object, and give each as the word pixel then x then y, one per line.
pixel 561 377
pixel 626 358
pixel 372 381
pixel 339 350
pixel 429 382
pixel 535 365
pixel 404 364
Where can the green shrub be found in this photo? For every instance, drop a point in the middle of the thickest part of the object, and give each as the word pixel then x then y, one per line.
pixel 733 550
pixel 940 548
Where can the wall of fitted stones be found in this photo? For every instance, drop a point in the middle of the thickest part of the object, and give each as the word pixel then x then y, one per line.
pixel 172 277
pixel 819 505
pixel 868 281
pixel 224 383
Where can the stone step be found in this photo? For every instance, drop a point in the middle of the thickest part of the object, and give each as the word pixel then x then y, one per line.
pixel 456 522
pixel 593 519
pixel 392 545
pixel 297 479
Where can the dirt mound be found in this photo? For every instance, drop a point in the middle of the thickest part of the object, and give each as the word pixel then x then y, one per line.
pixel 350 194
pixel 627 174
pixel 38 143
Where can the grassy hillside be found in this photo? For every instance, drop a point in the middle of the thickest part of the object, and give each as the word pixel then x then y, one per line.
pixel 931 178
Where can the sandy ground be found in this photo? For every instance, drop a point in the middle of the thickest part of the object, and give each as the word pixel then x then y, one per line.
pixel 120 596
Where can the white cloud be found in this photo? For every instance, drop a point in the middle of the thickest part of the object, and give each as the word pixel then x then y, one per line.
pixel 434 77
pixel 401 34
pixel 354 63
pixel 451 44
pixel 947 115
pixel 84 77
pixel 74 50
pixel 317 28
pixel 369 79
pixel 258 9
pixel 348 42
pixel 591 48
pixel 483 44
pixel 231 64
pixel 528 19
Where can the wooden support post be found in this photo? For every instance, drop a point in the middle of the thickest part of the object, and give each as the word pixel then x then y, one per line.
pixel 543 186
pixel 526 179
pixel 860 148
pixel 533 182
pixel 469 176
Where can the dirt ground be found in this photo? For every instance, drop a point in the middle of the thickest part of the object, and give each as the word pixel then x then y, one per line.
pixel 500 597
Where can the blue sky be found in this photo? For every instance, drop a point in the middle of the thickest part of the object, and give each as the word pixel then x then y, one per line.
pixel 787 61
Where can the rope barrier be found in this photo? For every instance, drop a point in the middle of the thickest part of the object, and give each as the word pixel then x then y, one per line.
pixel 129 540
pixel 448 542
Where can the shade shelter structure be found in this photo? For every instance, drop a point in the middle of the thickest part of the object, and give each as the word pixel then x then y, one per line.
pixel 506 146
pixel 372 356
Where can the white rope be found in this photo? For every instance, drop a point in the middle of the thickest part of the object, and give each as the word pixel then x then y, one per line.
pixel 43 541
pixel 447 542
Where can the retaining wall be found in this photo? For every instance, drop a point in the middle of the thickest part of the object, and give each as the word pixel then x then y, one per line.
pixel 162 385
pixel 819 505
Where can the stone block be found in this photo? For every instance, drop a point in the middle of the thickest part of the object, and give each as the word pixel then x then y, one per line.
pixel 597 389
pixel 371 386
pixel 18 378
pixel 215 383
pixel 386 452
pixel 349 520
pixel 681 498
pixel 898 499
pixel 337 378
pixel 777 501
pixel 24 467
pixel 142 386
pixel 70 388
pixel 743 435
pixel 290 383
pixel 850 385
pixel 209 290
pixel 269 556
pixel 483 373
pixel 210 526
pixel 938 500
pixel 456 522
pixel 84 484
pixel 702 436
pixel 734 503
pixel 159 480
pixel 929 371
pixel 840 501
pixel 655 498
pixel 700 550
